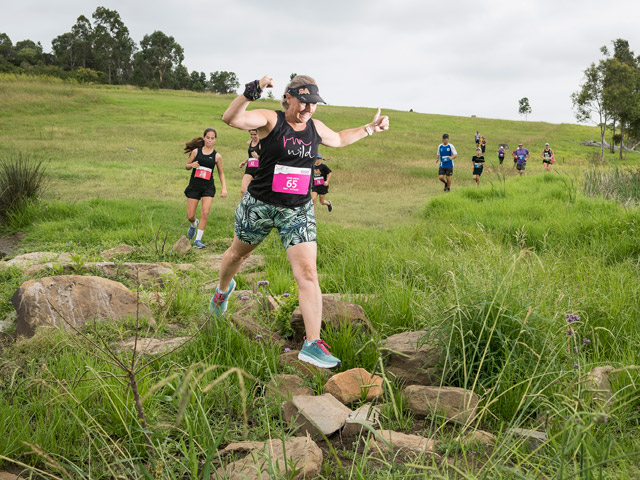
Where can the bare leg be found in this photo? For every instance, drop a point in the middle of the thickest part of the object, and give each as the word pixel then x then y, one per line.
pixel 232 260
pixel 246 180
pixel 204 212
pixel 192 207
pixel 314 197
pixel 303 263
pixel 323 201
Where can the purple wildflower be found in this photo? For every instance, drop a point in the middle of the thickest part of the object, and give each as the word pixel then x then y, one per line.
pixel 287 350
pixel 263 282
pixel 569 332
pixel 258 337
pixel 572 318
pixel 586 341
pixel 286 294
pixel 575 366
pixel 244 297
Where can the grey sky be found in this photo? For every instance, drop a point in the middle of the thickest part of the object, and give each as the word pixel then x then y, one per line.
pixel 452 58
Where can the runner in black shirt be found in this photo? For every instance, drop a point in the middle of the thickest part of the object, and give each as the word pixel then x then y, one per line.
pixel 321 177
pixel 252 162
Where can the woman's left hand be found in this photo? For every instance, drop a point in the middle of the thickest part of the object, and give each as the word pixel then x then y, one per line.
pixel 379 123
pixel 223 194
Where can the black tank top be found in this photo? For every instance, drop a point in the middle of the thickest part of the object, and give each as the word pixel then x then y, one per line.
pixel 254 149
pixel 285 146
pixel 207 161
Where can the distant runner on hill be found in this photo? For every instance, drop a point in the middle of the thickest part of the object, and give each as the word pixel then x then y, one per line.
pixel 477 138
pixel 501 154
pixel 202 160
pixel 478 165
pixel 547 158
pixel 252 162
pixel 445 155
pixel 483 144
pixel 280 196
pixel 321 177
pixel 521 156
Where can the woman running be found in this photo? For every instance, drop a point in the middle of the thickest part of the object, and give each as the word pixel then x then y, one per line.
pixel 547 157
pixel 279 196
pixel 202 160
pixel 252 162
pixel 321 177
pixel 478 165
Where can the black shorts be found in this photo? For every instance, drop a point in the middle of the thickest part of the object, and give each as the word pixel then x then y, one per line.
pixel 251 171
pixel 501 159
pixel 477 171
pixel 521 166
pixel 483 148
pixel 198 192
pixel 547 161
pixel 445 171
pixel 320 189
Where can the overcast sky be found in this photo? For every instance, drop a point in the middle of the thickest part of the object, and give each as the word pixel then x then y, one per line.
pixel 447 57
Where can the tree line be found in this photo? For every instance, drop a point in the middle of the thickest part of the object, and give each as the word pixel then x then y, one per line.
pixel 101 51
pixel 610 97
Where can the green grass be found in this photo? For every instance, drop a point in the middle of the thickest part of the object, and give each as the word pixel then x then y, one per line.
pixel 491 272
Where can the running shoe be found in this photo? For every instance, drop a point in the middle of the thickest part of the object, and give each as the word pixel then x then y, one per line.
pixel 445 187
pixel 330 207
pixel 198 244
pixel 218 303
pixel 192 230
pixel 317 353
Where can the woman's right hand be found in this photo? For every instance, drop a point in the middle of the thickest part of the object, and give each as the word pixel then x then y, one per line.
pixel 267 82
pixel 195 164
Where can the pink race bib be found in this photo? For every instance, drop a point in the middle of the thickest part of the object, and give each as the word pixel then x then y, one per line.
pixel 318 181
pixel 291 180
pixel 203 173
pixel 253 162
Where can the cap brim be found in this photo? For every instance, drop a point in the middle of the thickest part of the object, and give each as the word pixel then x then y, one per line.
pixel 310 99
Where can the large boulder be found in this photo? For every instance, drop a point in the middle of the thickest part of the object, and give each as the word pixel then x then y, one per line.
pixel 411 360
pixel 66 300
pixel 295 458
pixel 319 415
pixel 334 313
pixel 456 404
pixel 354 385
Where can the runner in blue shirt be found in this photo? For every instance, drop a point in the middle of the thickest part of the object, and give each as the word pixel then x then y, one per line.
pixel 445 156
pixel 521 155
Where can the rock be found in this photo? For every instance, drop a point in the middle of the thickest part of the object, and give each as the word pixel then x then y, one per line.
pixel 411 360
pixel 117 252
pixel 139 273
pixel 153 346
pixel 367 414
pixel 334 312
pixel 153 298
pixel 78 299
pixel 290 358
pixel 317 415
pixel 9 321
pixel 267 460
pixel 533 438
pixel 10 476
pixel 454 403
pixel 212 261
pixel 478 437
pixel 400 441
pixel 26 260
pixel 243 320
pixel 598 381
pixel 353 385
pixel 182 246
pixel 285 386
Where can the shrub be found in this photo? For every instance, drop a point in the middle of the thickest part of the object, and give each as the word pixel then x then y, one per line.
pixel 21 180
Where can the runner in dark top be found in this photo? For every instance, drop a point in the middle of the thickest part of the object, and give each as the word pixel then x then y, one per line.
pixel 478 165
pixel 252 162
pixel 501 154
pixel 547 157
pixel 483 144
pixel 280 195
pixel 321 177
pixel 202 161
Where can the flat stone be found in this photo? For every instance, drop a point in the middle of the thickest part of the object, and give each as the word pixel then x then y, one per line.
pixel 354 385
pixel 401 441
pixel 411 359
pixel 117 252
pixel 212 261
pixel 598 381
pixel 456 404
pixel 534 438
pixel 367 414
pixel 27 259
pixel 284 387
pixel 296 458
pixel 153 346
pixel 316 415
pixel 10 476
pixel 478 437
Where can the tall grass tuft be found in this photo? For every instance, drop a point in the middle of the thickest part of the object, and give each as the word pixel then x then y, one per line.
pixel 616 183
pixel 22 180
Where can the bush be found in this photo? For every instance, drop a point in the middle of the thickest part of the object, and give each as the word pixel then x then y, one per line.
pixel 21 180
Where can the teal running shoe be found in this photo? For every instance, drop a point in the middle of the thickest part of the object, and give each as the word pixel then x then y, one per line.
pixel 192 230
pixel 218 303
pixel 317 353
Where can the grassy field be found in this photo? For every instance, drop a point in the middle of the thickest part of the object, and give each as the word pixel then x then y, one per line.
pixel 490 271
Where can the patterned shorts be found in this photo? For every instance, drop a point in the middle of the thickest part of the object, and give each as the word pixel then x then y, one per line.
pixel 254 220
